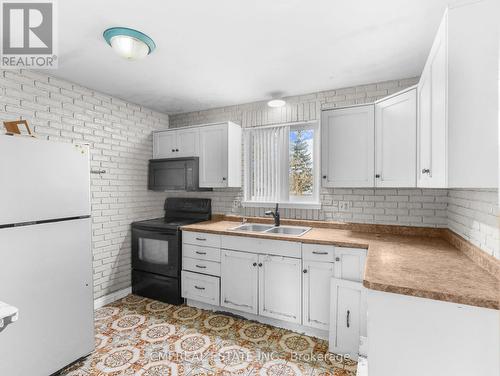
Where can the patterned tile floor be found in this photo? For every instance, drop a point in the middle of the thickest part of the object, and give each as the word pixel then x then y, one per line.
pixel 139 336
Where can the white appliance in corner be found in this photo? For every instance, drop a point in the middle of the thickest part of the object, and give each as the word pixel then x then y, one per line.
pixel 45 255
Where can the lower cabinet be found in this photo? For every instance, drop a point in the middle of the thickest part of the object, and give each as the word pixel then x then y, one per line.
pixel 239 276
pixel 316 279
pixel 200 287
pixel 279 288
pixel 261 284
pixel 348 316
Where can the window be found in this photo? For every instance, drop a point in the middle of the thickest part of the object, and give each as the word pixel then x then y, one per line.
pixel 281 164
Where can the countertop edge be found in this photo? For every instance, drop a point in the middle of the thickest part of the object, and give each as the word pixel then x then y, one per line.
pixel 434 295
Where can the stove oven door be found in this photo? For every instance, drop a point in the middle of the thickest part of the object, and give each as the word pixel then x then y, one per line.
pixel 156 252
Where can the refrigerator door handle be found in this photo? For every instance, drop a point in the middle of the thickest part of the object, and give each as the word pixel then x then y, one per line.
pixel 8 314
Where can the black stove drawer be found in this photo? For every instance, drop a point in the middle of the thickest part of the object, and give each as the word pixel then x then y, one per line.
pixel 153 286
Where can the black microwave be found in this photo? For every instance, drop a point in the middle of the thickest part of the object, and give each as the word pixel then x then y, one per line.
pixel 174 174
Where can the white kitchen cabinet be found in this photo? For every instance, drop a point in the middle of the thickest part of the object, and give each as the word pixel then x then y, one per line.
pixel 350 263
pixel 176 143
pixel 200 287
pixel 348 147
pixel 187 142
pixel 458 101
pixel 239 281
pixel 164 144
pixel 348 316
pixel 396 140
pixel 280 288
pixel 432 126
pixel 316 276
pixel 220 155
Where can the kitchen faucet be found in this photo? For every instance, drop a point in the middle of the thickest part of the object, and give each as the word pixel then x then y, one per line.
pixel 275 214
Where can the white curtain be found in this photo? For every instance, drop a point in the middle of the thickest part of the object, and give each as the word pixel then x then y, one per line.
pixel 266 163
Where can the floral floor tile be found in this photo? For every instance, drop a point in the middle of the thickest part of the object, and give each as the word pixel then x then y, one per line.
pixel 140 336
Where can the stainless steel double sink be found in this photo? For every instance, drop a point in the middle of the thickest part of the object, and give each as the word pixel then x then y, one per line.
pixel 270 229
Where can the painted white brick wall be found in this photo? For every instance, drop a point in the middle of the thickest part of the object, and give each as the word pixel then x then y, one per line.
pixel 119 134
pixel 473 215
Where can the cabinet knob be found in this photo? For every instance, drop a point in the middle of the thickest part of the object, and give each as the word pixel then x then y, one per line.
pixel 223 179
pixel 377 176
pixel 426 171
pixel 176 149
pixel 337 258
pixel 173 150
pixel 260 264
pixel 304 271
pixel 254 264
pixel 324 176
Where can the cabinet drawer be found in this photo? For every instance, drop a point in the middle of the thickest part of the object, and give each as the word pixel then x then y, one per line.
pixel 200 238
pixel 350 263
pixel 262 246
pixel 201 252
pixel 203 288
pixel 318 252
pixel 201 266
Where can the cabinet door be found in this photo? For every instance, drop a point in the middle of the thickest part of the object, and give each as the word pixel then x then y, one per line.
pixel 316 293
pixel 350 263
pixel 396 140
pixel 239 278
pixel 188 142
pixel 164 144
pixel 348 317
pixel 424 130
pixel 280 288
pixel 348 147
pixel 213 156
pixel 433 126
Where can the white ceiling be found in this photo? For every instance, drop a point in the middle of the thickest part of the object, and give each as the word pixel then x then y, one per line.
pixel 213 53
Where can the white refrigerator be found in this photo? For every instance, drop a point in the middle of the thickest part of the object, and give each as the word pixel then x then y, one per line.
pixel 45 255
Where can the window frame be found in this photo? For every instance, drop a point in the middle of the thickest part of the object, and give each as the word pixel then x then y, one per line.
pixel 292 201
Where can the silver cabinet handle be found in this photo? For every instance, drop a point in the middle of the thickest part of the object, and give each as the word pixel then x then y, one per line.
pixel 201 266
pixel 348 318
pixel 201 253
pixel 235 304
pixel 320 253
pixel 201 239
pixel 199 288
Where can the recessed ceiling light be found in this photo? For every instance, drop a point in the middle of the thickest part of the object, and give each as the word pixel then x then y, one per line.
pixel 276 103
pixel 129 43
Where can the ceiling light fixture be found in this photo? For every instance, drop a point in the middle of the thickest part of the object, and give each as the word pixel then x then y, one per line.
pixel 276 103
pixel 129 43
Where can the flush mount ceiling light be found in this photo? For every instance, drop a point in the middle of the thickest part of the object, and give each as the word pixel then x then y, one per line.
pixel 129 43
pixel 276 103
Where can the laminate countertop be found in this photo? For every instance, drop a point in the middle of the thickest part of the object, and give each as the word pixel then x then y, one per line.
pixel 415 265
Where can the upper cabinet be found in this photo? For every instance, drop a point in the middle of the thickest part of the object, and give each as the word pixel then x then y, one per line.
pixel 217 145
pixel 371 145
pixel 458 101
pixel 433 125
pixel 220 156
pixel 347 147
pixel 176 143
pixel 395 140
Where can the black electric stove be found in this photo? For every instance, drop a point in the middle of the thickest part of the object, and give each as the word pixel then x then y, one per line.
pixel 157 251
